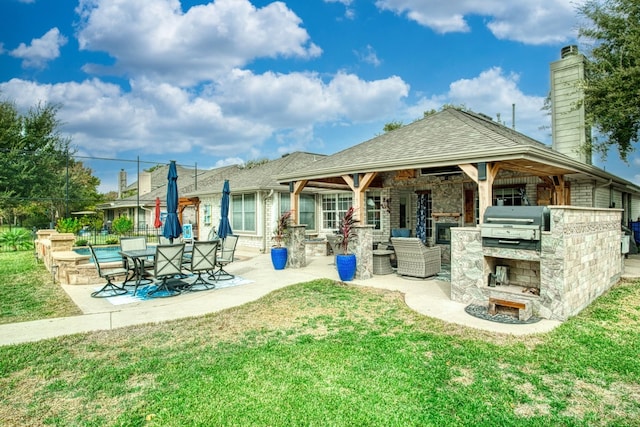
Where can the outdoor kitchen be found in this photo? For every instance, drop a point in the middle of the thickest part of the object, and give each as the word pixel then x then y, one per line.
pixel 548 262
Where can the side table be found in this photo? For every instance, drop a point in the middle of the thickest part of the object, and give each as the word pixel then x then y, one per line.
pixel 381 261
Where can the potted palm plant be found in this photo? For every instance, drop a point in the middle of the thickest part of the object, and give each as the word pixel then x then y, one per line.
pixel 345 261
pixel 279 253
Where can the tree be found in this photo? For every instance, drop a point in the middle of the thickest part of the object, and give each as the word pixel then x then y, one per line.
pixel 612 73
pixel 38 176
pixel 388 127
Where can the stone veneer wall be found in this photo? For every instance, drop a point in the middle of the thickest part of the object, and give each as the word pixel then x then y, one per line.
pixel 580 260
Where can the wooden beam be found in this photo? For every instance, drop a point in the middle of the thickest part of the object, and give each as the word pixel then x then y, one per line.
pixel 364 180
pixel 294 201
pixel 485 187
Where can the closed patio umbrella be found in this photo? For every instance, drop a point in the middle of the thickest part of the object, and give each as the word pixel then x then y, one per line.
pixel 224 228
pixel 172 227
pixel 157 223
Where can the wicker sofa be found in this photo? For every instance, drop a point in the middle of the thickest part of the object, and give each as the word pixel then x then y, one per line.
pixel 414 258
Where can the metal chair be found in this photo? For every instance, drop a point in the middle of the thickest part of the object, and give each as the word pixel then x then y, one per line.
pixel 168 264
pixel 203 259
pixel 110 289
pixel 225 257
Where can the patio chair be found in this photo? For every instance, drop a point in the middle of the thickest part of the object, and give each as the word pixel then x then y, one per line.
pixel 225 257
pixel 414 258
pixel 168 265
pixel 133 244
pixel 203 259
pixel 110 289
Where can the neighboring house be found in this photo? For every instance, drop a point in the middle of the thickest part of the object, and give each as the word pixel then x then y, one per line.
pixel 138 199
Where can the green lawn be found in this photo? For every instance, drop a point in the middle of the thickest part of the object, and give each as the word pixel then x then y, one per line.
pixel 326 354
pixel 28 292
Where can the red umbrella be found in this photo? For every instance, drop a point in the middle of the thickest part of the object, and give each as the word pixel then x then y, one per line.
pixel 157 223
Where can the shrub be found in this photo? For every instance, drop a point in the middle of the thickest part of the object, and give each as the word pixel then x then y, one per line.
pixel 122 225
pixel 68 225
pixel 82 242
pixel 17 239
pixel 111 241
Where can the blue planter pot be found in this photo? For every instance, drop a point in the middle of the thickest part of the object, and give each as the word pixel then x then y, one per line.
pixel 279 258
pixel 346 265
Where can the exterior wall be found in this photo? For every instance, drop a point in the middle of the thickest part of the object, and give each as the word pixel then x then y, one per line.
pixel 580 260
pixel 582 193
pixel 602 197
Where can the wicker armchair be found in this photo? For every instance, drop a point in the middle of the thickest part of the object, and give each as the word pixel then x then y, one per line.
pixel 414 258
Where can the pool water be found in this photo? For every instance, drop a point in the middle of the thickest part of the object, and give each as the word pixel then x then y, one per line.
pixel 104 254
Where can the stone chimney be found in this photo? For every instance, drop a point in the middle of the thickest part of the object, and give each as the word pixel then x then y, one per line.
pixel 122 183
pixel 570 134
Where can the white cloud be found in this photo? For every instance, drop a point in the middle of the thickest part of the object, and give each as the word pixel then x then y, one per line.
pixel 41 50
pixel 237 115
pixel 493 93
pixel 532 22
pixel 158 40
pixel 369 56
pixel 349 12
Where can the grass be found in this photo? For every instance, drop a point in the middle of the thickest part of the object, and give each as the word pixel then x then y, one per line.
pixel 326 354
pixel 28 291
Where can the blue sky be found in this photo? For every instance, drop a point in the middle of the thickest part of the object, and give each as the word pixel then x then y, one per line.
pixel 227 81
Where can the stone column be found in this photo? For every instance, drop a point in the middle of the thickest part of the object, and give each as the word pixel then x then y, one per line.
pixel 296 247
pixel 363 248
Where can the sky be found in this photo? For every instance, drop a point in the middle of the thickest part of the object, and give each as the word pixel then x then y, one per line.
pixel 213 83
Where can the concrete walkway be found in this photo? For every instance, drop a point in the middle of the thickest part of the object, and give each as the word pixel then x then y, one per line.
pixel 429 297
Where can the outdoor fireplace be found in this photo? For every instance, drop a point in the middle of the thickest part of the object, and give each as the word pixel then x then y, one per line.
pixel 443 232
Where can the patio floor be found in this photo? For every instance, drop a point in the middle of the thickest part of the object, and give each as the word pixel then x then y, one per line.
pixel 430 297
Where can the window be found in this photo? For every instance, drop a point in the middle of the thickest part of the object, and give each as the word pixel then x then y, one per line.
pixel 334 206
pixel 510 196
pixel 207 215
pixel 373 210
pixel 243 212
pixel 308 211
pixel 307 208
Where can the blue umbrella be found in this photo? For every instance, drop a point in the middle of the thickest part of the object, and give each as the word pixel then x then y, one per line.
pixel 172 227
pixel 224 228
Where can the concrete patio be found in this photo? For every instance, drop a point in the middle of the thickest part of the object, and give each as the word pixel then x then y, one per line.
pixel 430 297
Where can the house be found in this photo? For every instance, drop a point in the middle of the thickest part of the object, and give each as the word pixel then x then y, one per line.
pixel 257 199
pixel 438 175
pixel 459 162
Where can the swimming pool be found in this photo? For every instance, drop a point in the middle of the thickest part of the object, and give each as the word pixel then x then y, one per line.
pixel 104 253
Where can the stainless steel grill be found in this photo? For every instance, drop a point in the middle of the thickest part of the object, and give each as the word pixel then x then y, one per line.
pixel 515 227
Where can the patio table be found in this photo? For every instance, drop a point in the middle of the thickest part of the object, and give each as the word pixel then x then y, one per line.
pixel 382 261
pixel 139 256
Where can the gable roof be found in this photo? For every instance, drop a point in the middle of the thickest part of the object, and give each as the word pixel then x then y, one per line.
pixel 449 137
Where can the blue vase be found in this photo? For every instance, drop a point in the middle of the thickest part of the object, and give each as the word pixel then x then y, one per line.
pixel 279 258
pixel 346 265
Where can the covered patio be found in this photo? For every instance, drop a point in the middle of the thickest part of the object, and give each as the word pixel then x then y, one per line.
pixel 446 169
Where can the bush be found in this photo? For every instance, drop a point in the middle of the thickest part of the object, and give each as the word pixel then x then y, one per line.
pixel 68 225
pixel 122 225
pixel 82 242
pixel 112 241
pixel 17 239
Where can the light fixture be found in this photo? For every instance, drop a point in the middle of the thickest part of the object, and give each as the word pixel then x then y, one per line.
pixel 370 202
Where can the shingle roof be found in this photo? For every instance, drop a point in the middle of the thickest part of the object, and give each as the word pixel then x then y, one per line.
pixel 449 137
pixel 259 177
pixel 442 138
